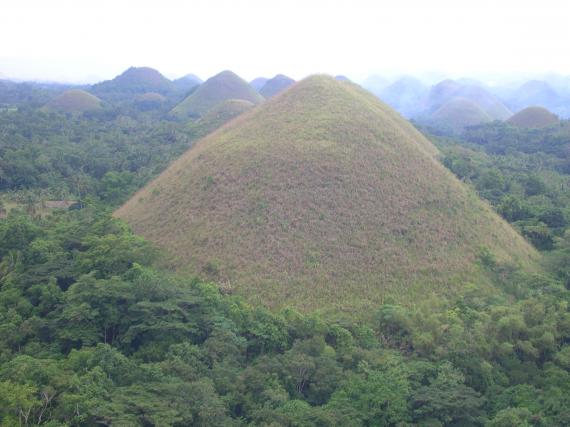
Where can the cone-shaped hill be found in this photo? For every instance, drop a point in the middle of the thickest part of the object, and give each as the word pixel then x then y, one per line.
pixel 323 197
pixel 223 86
pixel 275 85
pixel 458 114
pixel 534 117
pixel 74 101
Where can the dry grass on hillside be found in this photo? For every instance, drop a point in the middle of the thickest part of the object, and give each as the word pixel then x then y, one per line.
pixel 323 197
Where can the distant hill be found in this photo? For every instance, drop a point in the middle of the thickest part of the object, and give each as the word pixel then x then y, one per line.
pixel 447 90
pixel 132 82
pixel 223 86
pixel 440 93
pixel 258 83
pixel 187 82
pixel 459 113
pixel 488 102
pixel 405 95
pixel 275 85
pixel 534 117
pixel 74 101
pixel 323 197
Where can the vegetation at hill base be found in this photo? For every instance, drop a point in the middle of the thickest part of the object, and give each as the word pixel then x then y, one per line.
pixel 95 331
pixel 92 334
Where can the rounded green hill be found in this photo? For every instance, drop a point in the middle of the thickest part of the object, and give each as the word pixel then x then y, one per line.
pixel 74 101
pixel 534 117
pixel 223 86
pixel 322 197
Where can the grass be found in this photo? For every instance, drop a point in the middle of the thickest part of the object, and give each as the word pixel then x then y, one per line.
pixel 222 87
pixel 323 198
pixel 74 101
pixel 534 117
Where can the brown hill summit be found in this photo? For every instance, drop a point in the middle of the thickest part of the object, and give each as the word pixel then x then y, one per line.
pixel 323 197
pixel 534 117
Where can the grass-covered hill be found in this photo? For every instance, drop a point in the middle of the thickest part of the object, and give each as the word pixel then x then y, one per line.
pixel 323 197
pixel 534 117
pixel 275 85
pixel 457 114
pixel 74 101
pixel 223 86
pixel 132 82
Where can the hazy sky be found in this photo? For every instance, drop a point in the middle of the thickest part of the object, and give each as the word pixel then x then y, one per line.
pixel 90 40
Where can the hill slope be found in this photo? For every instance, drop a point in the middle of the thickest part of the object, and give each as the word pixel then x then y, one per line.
pixel 74 101
pixel 275 85
pixel 322 197
pixel 534 117
pixel 223 86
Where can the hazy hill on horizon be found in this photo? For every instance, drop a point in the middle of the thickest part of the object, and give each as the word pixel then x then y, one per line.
pixel 322 198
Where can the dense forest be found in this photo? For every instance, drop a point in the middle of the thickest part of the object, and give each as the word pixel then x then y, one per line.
pixel 94 332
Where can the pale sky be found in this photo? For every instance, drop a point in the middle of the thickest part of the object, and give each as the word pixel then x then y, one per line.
pixel 91 40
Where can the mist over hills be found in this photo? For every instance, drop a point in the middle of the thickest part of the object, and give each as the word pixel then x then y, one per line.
pixel 323 196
